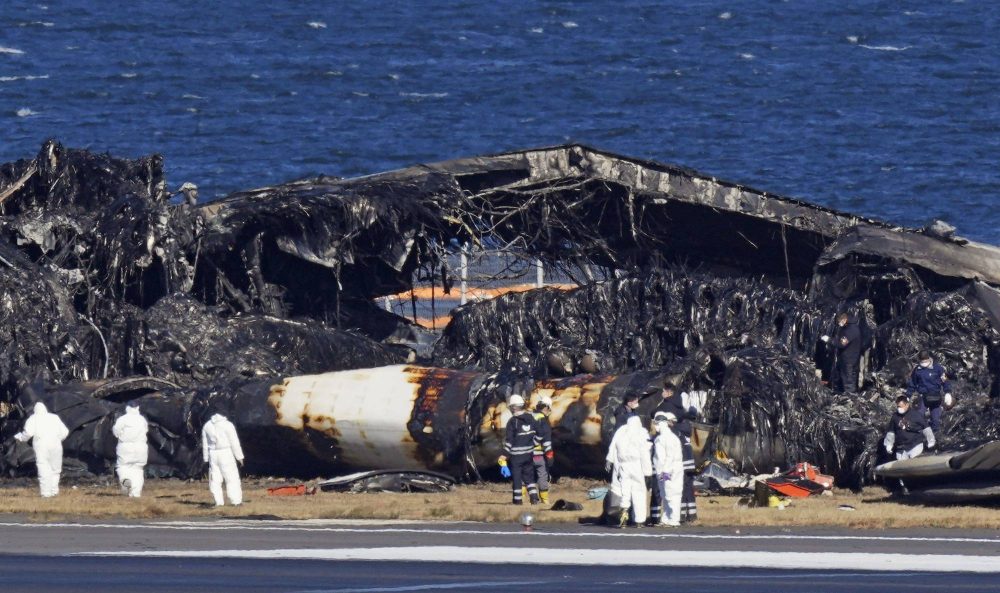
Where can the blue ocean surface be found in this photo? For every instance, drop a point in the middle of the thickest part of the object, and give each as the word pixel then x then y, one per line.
pixel 888 109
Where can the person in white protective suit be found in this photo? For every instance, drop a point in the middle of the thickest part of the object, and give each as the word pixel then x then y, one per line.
pixel 133 450
pixel 668 467
pixel 46 432
pixel 630 456
pixel 221 449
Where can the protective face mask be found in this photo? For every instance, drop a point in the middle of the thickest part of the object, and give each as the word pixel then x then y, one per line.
pixel 901 410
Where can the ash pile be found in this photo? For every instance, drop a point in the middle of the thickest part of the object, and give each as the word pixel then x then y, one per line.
pixel 116 288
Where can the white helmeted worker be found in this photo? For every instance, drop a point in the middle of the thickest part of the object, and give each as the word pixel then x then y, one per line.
pixel 221 449
pixel 629 455
pixel 46 432
pixel 668 467
pixel 133 450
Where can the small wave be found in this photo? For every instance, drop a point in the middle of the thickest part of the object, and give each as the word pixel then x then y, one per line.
pixel 885 47
pixel 317 24
pixel 359 94
pixel 852 39
pixel 394 76
pixel 537 30
pixel 129 74
pixel 570 24
pixel 25 112
pixel 37 24
pixel 747 56
pixel 10 50
pixel 425 95
pixel 333 73
pixel 190 96
pixel 726 16
pixel 28 77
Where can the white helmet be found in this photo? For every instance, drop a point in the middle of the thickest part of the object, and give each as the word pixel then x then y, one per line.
pixel 664 417
pixel 516 400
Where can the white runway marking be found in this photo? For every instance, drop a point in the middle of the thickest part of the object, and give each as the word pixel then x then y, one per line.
pixel 432 587
pixel 673 535
pixel 852 561
pixel 812 576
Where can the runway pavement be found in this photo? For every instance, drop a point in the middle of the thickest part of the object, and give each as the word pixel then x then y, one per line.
pixel 318 556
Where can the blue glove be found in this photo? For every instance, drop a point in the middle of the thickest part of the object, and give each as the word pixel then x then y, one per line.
pixel 505 471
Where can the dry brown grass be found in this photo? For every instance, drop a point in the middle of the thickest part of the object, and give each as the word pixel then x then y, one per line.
pixel 175 499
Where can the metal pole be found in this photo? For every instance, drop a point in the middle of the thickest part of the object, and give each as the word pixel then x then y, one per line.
pixel 465 275
pixel 539 273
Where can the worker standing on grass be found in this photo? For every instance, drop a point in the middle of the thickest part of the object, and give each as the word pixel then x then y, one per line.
pixel 133 451
pixel 518 451
pixel 907 431
pixel 674 403
pixel 930 381
pixel 543 455
pixel 626 410
pixel 668 467
pixel 629 456
pixel 221 448
pixel 46 432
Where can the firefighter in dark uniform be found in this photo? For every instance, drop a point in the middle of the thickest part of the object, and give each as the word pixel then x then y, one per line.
pixel 543 455
pixel 673 403
pixel 518 450
pixel 930 381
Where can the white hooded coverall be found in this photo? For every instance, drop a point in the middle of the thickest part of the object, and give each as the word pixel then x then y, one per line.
pixel 668 467
pixel 221 449
pixel 629 453
pixel 133 450
pixel 46 432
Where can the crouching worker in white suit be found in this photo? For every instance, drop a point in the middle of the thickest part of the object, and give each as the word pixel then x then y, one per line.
pixel 221 449
pixel 668 467
pixel 133 451
pixel 46 433
pixel 629 454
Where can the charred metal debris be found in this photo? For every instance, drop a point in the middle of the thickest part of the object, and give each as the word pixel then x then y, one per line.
pixel 114 289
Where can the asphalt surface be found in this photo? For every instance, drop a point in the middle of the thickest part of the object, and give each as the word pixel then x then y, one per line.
pixel 328 556
pixel 162 575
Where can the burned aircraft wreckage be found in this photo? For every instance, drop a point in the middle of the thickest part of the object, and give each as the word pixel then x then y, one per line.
pixel 262 304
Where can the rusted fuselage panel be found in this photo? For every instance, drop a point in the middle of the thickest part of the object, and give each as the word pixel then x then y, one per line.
pixel 412 417
pixel 398 417
pixel 365 411
pixel 576 421
pixel 582 418
pixel 439 420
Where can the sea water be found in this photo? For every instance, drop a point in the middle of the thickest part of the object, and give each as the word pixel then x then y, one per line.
pixel 887 109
